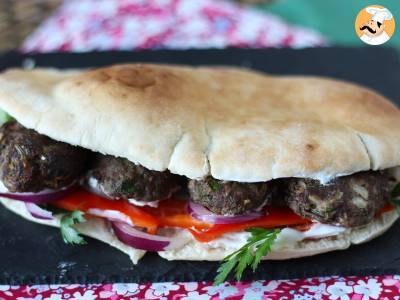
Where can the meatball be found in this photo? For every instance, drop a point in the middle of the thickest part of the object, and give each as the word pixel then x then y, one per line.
pixel 120 178
pixel 31 162
pixel 229 197
pixel 348 201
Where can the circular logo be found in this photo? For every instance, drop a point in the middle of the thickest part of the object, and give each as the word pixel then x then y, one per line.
pixel 375 25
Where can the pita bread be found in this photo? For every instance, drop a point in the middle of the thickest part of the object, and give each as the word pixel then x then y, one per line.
pixel 194 250
pixel 231 123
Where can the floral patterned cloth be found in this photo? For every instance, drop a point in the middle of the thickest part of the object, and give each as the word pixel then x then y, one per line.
pixel 342 288
pixel 85 25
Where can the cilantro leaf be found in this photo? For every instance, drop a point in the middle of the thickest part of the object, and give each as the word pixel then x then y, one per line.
pixel 245 259
pixel 214 184
pixel 5 117
pixel 258 245
pixel 263 249
pixel 224 270
pixel 256 231
pixel 69 233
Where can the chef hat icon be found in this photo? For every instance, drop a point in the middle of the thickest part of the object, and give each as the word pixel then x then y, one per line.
pixel 379 14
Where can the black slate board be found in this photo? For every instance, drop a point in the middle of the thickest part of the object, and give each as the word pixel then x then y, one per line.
pixel 32 253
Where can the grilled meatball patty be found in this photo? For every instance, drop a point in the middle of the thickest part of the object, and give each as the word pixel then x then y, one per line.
pixel 349 201
pixel 120 178
pixel 228 197
pixel 31 162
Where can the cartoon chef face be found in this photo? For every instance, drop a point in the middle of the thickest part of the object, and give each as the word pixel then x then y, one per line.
pixel 372 28
pixel 375 26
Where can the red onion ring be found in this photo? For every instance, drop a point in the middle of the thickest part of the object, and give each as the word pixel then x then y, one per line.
pixel 40 197
pixel 201 213
pixel 138 239
pixel 38 212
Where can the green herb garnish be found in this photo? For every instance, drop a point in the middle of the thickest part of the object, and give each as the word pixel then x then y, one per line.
pixel 258 245
pixel 214 185
pixel 69 233
pixel 5 117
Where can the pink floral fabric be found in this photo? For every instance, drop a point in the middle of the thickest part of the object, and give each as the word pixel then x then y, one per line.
pixel 85 25
pixel 342 288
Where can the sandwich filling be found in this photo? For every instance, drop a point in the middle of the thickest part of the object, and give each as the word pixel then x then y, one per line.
pixel 151 210
pixel 31 162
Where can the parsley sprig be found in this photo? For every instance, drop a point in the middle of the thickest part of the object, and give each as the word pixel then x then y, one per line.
pixel 69 233
pixel 258 245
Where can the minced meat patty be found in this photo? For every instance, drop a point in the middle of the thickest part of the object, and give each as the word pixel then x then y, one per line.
pixel 348 201
pixel 31 162
pixel 121 179
pixel 228 197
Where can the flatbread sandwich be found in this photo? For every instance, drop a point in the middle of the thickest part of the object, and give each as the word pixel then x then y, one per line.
pixel 206 163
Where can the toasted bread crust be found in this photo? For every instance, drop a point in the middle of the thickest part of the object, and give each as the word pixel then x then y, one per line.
pixel 230 123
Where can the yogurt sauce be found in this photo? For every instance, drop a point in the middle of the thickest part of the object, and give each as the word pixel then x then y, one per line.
pixel 287 238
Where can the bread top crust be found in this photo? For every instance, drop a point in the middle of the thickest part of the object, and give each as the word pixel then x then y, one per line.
pixel 231 123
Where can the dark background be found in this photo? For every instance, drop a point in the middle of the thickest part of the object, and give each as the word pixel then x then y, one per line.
pixel 32 253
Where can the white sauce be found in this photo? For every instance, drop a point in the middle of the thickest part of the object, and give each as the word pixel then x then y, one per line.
pixel 324 179
pixel 179 238
pixel 230 240
pixel 93 183
pixel 143 203
pixel 111 215
pixel 286 239
pixel 290 237
pixel 3 188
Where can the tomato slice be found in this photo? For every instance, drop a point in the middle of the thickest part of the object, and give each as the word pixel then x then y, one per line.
pixel 275 217
pixel 83 200
pixel 386 208
pixel 174 213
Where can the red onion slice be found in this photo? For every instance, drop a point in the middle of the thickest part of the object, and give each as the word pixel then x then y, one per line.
pixel 138 239
pixel 201 213
pixel 38 212
pixel 40 197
